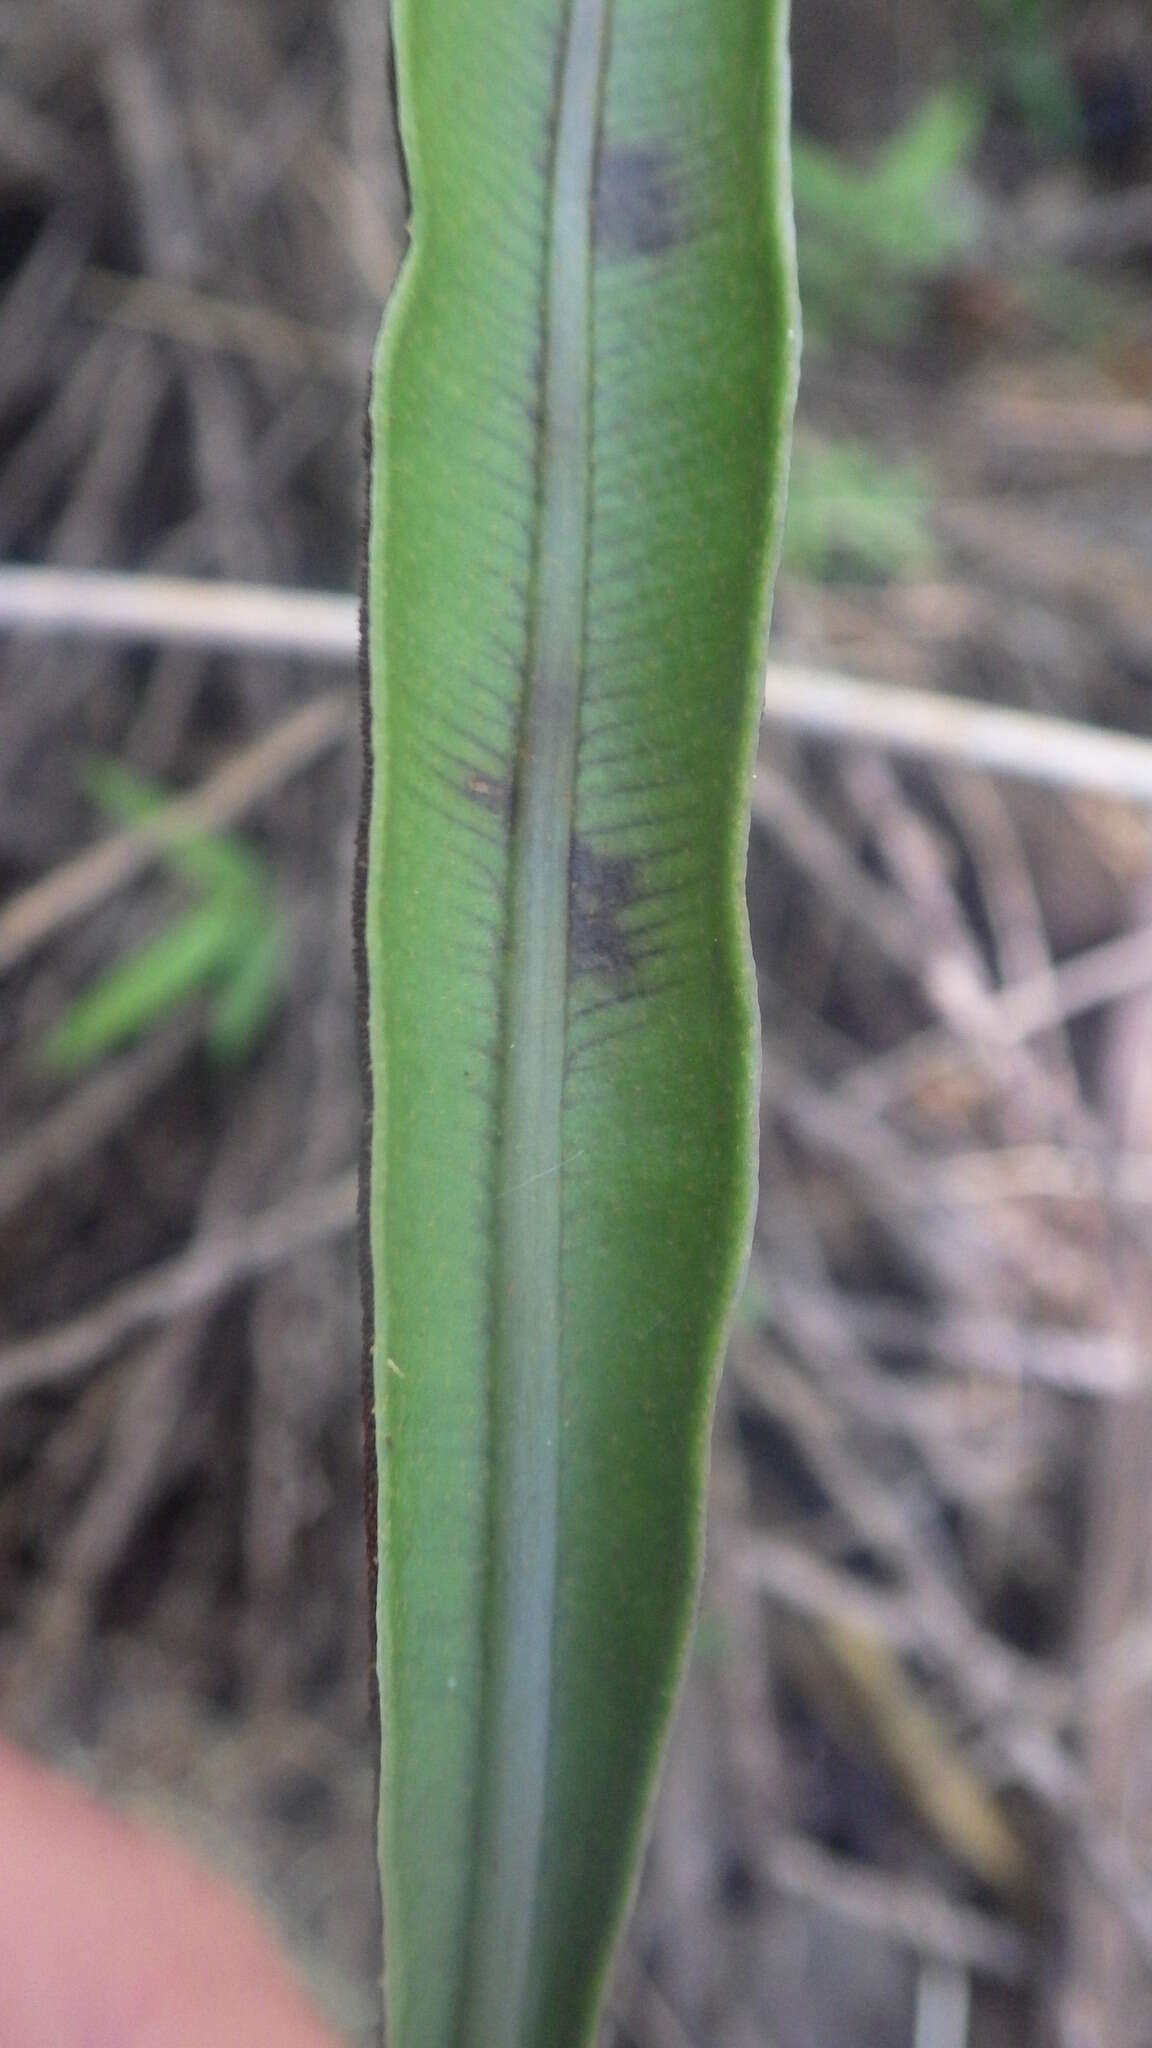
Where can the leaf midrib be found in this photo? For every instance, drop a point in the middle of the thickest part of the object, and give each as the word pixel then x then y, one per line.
pixel 526 1365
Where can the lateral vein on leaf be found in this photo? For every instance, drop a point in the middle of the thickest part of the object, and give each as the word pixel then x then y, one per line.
pixel 528 1321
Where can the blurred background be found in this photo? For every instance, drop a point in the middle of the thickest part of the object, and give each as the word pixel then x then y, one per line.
pixel 909 1803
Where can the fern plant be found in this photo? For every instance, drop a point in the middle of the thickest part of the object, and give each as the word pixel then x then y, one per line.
pixel 580 415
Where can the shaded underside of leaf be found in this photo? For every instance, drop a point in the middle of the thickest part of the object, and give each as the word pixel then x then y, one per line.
pixel 580 417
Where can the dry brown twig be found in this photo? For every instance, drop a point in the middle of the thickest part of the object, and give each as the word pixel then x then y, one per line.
pixel 91 1112
pixel 324 627
pixel 1022 1010
pixel 913 1915
pixel 1000 1679
pixel 208 1269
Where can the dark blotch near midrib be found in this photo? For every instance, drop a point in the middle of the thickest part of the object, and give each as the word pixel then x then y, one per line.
pixel 493 793
pixel 640 208
pixel 601 886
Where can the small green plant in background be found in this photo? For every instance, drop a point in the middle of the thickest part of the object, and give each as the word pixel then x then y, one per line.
pixel 853 513
pixel 870 239
pixel 228 947
pixel 870 236
pixel 1029 70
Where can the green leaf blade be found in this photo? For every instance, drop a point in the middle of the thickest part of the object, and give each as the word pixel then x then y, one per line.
pixel 141 991
pixel 580 416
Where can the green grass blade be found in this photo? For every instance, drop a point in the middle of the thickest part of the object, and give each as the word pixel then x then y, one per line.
pixel 233 942
pixel 251 990
pixel 143 990
pixel 218 863
pixel 580 413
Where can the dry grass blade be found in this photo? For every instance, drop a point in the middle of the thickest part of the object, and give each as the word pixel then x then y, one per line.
pixel 322 626
pixel 236 618
pixel 962 733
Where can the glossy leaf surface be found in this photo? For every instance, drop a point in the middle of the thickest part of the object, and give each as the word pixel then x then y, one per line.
pixel 580 416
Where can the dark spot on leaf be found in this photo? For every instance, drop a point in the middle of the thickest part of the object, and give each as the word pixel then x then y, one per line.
pixel 639 204
pixel 601 886
pixel 492 792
